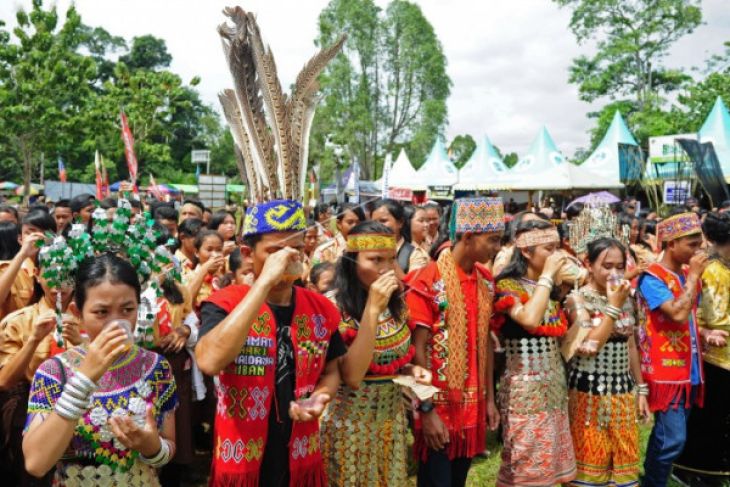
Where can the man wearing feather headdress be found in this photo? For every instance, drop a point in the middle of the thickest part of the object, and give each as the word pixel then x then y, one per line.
pixel 273 346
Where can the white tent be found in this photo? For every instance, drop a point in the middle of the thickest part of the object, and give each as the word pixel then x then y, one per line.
pixel 484 170
pixel 543 168
pixel 602 168
pixel 403 174
pixel 716 129
pixel 438 170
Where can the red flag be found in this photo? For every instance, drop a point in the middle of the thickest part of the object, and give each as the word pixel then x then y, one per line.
pixel 128 139
pixel 99 182
pixel 61 170
pixel 155 189
pixel 105 181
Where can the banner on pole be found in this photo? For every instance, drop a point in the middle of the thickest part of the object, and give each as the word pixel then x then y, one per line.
pixel 99 177
pixel 128 139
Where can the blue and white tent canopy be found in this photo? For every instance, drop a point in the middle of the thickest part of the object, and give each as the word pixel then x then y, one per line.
pixel 438 170
pixel 716 129
pixel 543 167
pixel 484 170
pixel 602 168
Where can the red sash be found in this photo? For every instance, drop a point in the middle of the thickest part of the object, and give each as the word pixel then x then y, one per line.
pixel 666 349
pixel 246 389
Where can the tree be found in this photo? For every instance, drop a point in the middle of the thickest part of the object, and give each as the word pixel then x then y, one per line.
pixel 633 36
pixel 509 159
pixel 43 82
pixel 387 90
pixel 462 147
pixel 148 52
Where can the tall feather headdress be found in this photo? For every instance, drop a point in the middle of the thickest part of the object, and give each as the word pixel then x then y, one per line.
pixel 270 130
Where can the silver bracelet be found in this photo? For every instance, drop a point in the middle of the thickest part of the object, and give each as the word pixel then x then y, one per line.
pixel 547 278
pixel 68 411
pixel 84 382
pixel 162 457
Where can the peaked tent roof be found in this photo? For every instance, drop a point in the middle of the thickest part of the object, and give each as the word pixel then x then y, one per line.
pixel 716 129
pixel 438 170
pixel 402 172
pixel 544 167
pixel 484 170
pixel 602 168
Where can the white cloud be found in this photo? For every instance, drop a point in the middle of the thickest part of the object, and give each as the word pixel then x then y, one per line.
pixel 508 60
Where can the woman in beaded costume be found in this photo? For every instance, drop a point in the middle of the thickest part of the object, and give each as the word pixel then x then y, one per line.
pixel 102 413
pixel 603 371
pixel 365 430
pixel 532 396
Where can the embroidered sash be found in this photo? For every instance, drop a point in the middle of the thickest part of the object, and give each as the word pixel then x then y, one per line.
pixel 246 389
pixel 666 348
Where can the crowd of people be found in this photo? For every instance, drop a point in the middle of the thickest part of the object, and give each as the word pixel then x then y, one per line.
pixel 277 348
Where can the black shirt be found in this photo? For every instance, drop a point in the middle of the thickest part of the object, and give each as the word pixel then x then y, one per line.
pixel 275 464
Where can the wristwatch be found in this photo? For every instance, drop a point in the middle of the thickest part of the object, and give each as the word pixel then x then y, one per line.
pixel 425 407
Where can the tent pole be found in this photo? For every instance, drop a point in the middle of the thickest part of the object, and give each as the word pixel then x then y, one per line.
pixel 529 200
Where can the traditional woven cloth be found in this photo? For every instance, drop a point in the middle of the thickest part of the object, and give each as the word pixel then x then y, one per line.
pixel 370 424
pixel 533 404
pixel 140 379
pixel 510 292
pixel 533 238
pixel 246 389
pixel 274 216
pixel 605 455
pixel 677 226
pixel 666 349
pixel 477 215
pixel 456 308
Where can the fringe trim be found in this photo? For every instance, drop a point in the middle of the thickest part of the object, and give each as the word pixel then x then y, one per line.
pixel 463 443
pixel 661 395
pixel 250 479
pixel 309 476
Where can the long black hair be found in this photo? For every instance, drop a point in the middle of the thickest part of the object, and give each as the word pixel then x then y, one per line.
pixel 717 228
pixel 9 245
pixel 104 268
pixel 517 266
pixel 351 295
pixel 600 245
pixel 647 227
pixel 217 219
pixel 41 219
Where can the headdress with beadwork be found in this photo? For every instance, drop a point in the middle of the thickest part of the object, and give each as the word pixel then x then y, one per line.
pixel 678 226
pixel 594 222
pixel 363 242
pixel 476 215
pixel 270 130
pixel 59 258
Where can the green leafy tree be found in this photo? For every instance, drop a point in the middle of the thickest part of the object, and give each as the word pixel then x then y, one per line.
pixel 387 90
pixel 148 52
pixel 43 82
pixel 462 147
pixel 632 38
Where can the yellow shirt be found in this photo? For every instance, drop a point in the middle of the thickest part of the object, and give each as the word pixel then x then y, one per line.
pixel 22 290
pixel 15 331
pixel 715 309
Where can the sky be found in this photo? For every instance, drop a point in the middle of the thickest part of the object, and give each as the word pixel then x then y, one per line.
pixel 508 59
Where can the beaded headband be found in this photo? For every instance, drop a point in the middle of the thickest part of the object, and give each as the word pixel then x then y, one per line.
pixel 533 238
pixel 364 242
pixel 678 226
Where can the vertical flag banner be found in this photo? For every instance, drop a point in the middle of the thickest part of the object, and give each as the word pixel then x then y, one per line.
pixel 105 180
pixel 99 179
pixel 61 170
pixel 128 139
pixel 155 189
pixel 386 176
pixel 356 182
